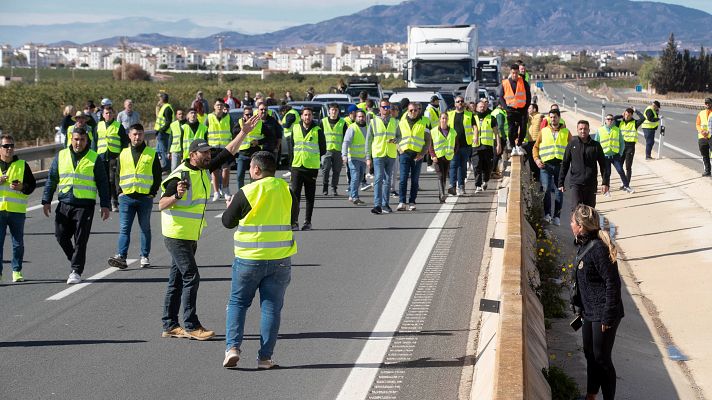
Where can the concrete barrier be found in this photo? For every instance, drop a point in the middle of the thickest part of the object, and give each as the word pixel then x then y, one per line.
pixel 694 105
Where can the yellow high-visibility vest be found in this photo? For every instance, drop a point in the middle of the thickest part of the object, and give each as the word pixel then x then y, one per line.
pixel 186 218
pixel 549 148
pixel 79 180
pixel 136 178
pixel 306 148
pixel 13 200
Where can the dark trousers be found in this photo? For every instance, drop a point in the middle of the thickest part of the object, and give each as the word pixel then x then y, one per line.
pixel 303 178
pixel 517 120
pixel 704 145
pixel 111 173
pixel 442 167
pixel 628 153
pixel 331 164
pixel 529 147
pixel 482 157
pixel 583 194
pixel 72 222
pixel 649 141
pixel 616 162
pixel 290 151
pixel 597 347
pixel 183 283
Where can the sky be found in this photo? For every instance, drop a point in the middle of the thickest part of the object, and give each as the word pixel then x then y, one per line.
pixel 242 16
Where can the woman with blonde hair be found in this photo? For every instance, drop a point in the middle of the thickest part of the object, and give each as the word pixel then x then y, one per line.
pixel 599 286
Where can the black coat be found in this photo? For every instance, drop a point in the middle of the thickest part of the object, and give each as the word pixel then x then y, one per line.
pixel 599 284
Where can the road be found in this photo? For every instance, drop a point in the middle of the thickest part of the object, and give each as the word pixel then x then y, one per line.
pixel 103 340
pixel 680 132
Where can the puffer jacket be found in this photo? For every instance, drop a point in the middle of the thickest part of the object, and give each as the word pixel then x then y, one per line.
pixel 599 283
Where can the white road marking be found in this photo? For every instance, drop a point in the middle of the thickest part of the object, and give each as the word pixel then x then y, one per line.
pixel 684 122
pixel 76 287
pixel 362 376
pixel 37 207
pixel 220 215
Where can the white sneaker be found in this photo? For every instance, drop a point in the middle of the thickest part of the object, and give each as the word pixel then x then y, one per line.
pixel 74 278
pixel 479 189
pixel 287 174
pixel 145 263
pixel 430 168
pixel 401 207
pixel 266 364
pixel 366 187
pixel 460 191
pixel 547 218
pixel 411 207
pixel 369 176
pixel 629 189
pixel 232 356
pixel 216 196
pixel 557 221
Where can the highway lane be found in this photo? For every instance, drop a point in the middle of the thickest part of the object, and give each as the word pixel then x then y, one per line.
pixel 680 130
pixel 103 341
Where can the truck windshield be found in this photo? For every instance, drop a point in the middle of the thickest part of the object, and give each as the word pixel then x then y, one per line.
pixel 442 71
pixel 489 77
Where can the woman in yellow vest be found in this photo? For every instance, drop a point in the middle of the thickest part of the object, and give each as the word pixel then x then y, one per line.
pixel 16 184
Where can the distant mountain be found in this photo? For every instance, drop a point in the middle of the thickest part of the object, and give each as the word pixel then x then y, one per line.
pixel 502 23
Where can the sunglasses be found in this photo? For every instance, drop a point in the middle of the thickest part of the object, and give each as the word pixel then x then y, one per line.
pixel 609 119
pixel 386 107
pixel 459 101
pixel 248 115
pixel 8 146
pixel 261 109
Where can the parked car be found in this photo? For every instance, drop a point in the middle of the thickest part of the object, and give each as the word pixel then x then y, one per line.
pixel 370 84
pixel 343 108
pixel 316 106
pixel 421 96
pixel 333 97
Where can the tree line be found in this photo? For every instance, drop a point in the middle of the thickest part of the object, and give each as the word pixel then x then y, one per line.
pixel 681 71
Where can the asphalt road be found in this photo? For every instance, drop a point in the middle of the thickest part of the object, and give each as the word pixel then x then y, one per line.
pixel 680 132
pixel 103 341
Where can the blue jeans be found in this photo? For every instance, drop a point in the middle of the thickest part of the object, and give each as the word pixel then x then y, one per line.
pixel 458 166
pixel 409 167
pixel 618 164
pixel 162 147
pixel 128 209
pixel 357 169
pixel 176 159
pixel 183 283
pixel 243 166
pixel 382 169
pixel 649 141
pixel 16 223
pixel 271 278
pixel 549 176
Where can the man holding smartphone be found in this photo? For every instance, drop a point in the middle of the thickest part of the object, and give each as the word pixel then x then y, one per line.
pixel 16 184
pixel 182 204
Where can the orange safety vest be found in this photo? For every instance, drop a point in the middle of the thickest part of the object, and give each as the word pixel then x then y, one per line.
pixel 518 99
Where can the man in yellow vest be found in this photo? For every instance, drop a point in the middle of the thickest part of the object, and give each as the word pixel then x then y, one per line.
pixel 182 205
pixel 381 153
pixel 164 117
pixel 138 174
pixel 362 97
pixel 703 134
pixel 110 139
pixel 460 119
pixel 651 123
pixel 263 247
pixel 413 137
pixel 629 129
pixel 549 151
pixel 611 140
pixel 290 117
pixel 176 154
pixel 331 163
pixel 252 144
pixel 309 147
pixel 78 175
pixel 484 145
pixel 353 152
pixel 442 150
pixel 220 130
pixel 16 184
pixel 192 129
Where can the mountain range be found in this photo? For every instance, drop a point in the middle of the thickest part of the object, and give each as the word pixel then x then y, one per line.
pixel 502 23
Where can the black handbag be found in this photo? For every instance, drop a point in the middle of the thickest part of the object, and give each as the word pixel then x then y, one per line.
pixel 575 292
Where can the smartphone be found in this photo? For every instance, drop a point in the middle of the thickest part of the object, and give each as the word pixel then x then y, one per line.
pixel 16 181
pixel 185 177
pixel 577 323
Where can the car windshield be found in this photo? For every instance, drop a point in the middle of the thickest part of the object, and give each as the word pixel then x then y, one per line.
pixel 453 71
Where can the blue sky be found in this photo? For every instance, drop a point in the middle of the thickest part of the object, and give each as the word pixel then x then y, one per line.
pixel 243 16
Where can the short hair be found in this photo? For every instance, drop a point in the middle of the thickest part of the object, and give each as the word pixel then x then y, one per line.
pixel 265 161
pixel 370 103
pixel 80 131
pixel 555 111
pixel 219 100
pixel 163 96
pixel 103 108
pixel 363 95
pixel 360 110
pixel 629 110
pixel 582 122
pixel 536 107
pixel 137 127
pixel 311 110
pixel 192 109
pixel 514 66
pixel 7 136
pixel 657 103
pixel 246 107
pixel 609 115
pixel 554 105
pixel 334 105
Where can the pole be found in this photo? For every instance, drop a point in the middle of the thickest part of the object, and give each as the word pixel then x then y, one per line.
pixel 603 111
pixel 37 72
pixel 575 105
pixel 662 138
pixel 563 102
pixel 220 59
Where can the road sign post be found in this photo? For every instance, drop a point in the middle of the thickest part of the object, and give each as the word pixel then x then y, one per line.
pixel 603 111
pixel 639 88
pixel 575 105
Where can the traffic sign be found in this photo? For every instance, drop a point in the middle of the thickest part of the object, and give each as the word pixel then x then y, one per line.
pixel 540 84
pixel 639 88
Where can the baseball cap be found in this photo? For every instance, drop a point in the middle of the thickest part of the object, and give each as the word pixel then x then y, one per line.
pixel 352 108
pixel 434 98
pixel 198 145
pixel 105 102
pixel 657 103
pixel 708 100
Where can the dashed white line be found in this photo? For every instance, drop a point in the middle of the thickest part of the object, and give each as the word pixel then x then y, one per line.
pixel 76 287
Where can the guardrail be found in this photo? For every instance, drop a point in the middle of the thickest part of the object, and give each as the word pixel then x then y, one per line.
pixel 42 155
pixel 521 344
pixel 694 105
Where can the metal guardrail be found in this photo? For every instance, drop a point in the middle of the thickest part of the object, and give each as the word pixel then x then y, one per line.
pixel 694 105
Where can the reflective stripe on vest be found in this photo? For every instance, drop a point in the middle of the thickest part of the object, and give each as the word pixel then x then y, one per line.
pixel 610 141
pixel 630 134
pixel 186 218
pixel 357 147
pixel 13 200
pixel 70 130
pixel 516 99
pixel 255 134
pixel 176 137
pixel 306 148
pixel 265 233
pixel 647 124
pixel 444 146
pixel 160 119
pixel 79 180
pixel 382 134
pixel 219 134
pixel 466 123
pixel 549 148
pixel 297 120
pixel 433 114
pixel 136 178
pixel 189 136
pixel 334 135
pixel 107 137
pixel 486 133
pixel 413 139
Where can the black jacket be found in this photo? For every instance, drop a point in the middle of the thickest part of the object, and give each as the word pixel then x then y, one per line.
pixel 581 157
pixel 599 283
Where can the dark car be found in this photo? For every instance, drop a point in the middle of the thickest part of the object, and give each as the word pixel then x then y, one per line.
pixel 316 107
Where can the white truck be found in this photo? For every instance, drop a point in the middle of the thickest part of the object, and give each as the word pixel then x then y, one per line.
pixel 490 72
pixel 442 56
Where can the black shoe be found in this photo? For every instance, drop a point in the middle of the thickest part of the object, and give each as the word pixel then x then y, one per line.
pixel 451 190
pixel 376 210
pixel 118 261
pixel 306 226
pixel 706 173
pixel 325 193
pixel 387 210
pixel 295 226
pixel 334 193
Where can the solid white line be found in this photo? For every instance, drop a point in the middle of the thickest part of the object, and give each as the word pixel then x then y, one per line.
pixel 374 351
pixel 220 215
pixel 37 207
pixel 76 287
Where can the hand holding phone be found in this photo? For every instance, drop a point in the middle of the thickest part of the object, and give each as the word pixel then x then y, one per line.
pixel 577 323
pixel 185 178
